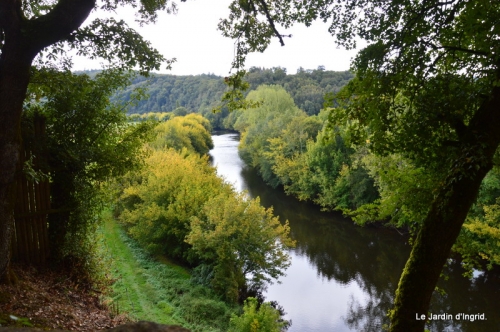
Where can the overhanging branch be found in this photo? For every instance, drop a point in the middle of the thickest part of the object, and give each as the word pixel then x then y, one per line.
pixel 271 21
pixel 64 18
pixel 465 50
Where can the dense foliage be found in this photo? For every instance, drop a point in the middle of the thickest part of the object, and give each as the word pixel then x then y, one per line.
pixel 298 151
pixel 426 87
pixel 38 33
pixel 255 318
pixel 202 93
pixel 156 290
pixel 191 132
pixel 315 162
pixel 168 92
pixel 177 206
pixel 88 141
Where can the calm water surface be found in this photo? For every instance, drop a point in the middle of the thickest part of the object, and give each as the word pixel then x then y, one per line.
pixel 343 277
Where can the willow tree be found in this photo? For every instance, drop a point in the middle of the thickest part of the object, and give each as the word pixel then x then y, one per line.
pixel 29 28
pixel 427 87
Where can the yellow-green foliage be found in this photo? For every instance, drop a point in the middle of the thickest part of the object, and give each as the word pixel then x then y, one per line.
pixel 405 190
pixel 157 290
pixel 163 116
pixel 480 238
pixel 170 190
pixel 191 131
pixel 239 238
pixel 148 116
pixel 179 207
pixel 257 319
pixel 260 124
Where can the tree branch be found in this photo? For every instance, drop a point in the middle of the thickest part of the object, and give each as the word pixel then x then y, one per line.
pixel 271 21
pixel 64 18
pixel 5 13
pixel 465 50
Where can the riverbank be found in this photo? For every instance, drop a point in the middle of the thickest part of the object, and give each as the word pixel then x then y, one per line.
pixel 140 287
pixel 153 289
pixel 343 277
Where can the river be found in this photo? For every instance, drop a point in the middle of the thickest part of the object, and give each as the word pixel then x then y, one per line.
pixel 343 277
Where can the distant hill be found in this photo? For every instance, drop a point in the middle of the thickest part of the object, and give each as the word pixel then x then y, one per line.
pixel 307 86
pixel 167 92
pixel 203 92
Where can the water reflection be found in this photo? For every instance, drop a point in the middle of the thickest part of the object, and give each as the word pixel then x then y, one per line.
pixel 343 277
pixel 355 268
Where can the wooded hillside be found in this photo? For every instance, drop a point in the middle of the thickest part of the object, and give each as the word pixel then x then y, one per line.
pixel 202 93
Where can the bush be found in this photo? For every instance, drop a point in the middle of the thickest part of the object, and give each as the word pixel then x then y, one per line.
pixel 183 210
pixel 255 318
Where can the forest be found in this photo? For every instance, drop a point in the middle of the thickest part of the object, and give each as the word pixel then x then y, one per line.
pixel 105 183
pixel 202 93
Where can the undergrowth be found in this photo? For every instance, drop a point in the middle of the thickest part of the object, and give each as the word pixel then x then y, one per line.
pixel 147 289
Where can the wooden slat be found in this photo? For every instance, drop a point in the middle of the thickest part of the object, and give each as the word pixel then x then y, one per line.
pixel 29 224
pixel 13 244
pixel 38 224
pixel 23 227
pixel 46 190
pixel 30 241
pixel 18 252
pixel 42 194
pixel 42 222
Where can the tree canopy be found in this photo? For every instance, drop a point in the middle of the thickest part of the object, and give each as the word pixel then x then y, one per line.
pixel 45 29
pixel 202 93
pixel 426 87
pixel 88 141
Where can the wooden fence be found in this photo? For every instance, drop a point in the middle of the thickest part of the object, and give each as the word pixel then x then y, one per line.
pixel 30 242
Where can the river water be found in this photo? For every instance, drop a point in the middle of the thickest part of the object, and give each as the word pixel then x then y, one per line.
pixel 343 277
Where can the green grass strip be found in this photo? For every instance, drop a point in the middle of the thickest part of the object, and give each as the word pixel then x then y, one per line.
pixel 148 289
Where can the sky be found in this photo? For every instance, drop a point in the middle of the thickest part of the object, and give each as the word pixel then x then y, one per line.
pixel 191 36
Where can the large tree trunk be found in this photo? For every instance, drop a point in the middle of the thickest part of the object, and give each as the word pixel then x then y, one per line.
pixel 14 77
pixel 23 40
pixel 446 217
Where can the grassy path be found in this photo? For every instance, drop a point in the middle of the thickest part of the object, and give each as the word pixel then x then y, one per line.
pixel 134 294
pixel 158 291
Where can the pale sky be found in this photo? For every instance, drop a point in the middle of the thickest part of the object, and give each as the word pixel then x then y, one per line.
pixel 192 37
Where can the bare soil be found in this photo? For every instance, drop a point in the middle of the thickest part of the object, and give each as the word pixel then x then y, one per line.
pixel 51 300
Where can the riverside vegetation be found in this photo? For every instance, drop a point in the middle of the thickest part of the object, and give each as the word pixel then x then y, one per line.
pixel 426 95
pixel 176 206
pixel 168 202
pixel 426 90
pixel 315 161
pixel 328 165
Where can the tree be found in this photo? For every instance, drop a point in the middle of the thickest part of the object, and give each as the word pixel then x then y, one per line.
pixel 263 123
pixel 427 87
pixel 191 132
pixel 89 140
pixel 177 205
pixel 243 241
pixel 30 28
pixel 256 318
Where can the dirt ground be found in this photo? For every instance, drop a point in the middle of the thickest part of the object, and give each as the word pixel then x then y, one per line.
pixel 52 300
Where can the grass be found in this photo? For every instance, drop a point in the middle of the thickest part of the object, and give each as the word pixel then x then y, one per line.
pixel 155 289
